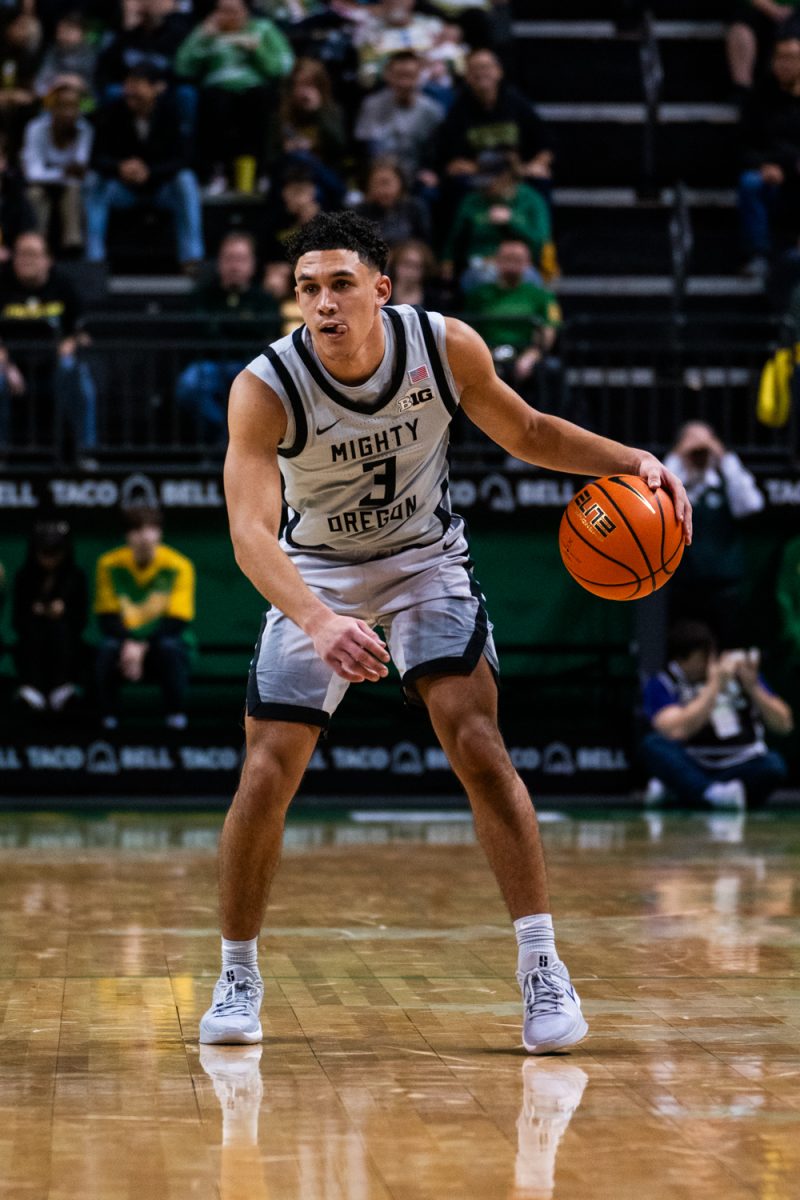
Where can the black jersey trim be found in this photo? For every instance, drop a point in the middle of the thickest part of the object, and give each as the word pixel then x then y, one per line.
pixel 448 399
pixel 455 664
pixel 298 714
pixel 290 387
pixel 393 387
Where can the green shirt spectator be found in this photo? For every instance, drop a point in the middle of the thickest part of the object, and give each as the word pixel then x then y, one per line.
pixel 501 207
pixel 234 59
pixel 506 315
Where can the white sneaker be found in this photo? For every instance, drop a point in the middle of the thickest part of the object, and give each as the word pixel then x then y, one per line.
pixel 727 794
pixel 654 793
pixel 235 1073
pixel 552 1017
pixel 233 1017
pixel 552 1091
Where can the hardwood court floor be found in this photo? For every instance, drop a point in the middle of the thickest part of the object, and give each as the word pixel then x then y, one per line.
pixel 392 1067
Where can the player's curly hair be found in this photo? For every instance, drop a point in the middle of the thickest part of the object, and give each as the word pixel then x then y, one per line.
pixel 340 231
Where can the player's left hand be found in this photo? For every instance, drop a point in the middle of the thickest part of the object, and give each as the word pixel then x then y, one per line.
pixel 656 475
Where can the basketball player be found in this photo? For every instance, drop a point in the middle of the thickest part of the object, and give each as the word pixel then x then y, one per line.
pixel 352 412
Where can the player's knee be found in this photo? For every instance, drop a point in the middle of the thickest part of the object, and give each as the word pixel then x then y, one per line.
pixel 266 779
pixel 477 752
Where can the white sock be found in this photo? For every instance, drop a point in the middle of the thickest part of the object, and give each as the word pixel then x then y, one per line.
pixel 536 942
pixel 242 954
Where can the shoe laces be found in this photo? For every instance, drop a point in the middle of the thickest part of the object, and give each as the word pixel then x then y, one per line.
pixel 237 998
pixel 542 993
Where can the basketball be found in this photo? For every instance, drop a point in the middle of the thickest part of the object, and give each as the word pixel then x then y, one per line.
pixel 620 540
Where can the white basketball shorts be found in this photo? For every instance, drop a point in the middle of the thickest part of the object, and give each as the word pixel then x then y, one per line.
pixel 425 599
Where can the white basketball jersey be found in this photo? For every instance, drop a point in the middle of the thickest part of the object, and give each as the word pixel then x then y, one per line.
pixel 365 468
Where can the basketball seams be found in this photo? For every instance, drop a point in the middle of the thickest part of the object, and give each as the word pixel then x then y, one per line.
pixel 597 550
pixel 630 529
pixel 628 583
pixel 635 535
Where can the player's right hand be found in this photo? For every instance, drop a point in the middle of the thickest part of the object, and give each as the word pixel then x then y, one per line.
pixel 351 649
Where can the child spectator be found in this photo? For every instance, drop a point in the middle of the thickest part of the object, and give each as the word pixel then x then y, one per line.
pixel 140 157
pixel 499 207
pixel 55 156
pixel 310 131
pixel 412 269
pixel 145 605
pixel 70 54
pixel 51 602
pixel 387 203
pixel 236 60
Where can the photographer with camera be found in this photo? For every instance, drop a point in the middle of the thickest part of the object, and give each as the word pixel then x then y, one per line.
pixel 723 492
pixel 708 713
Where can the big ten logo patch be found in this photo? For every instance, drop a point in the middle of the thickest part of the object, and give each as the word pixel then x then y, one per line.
pixel 413 399
pixel 594 515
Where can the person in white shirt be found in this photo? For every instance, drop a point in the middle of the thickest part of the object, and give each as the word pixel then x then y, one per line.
pixel 400 120
pixel 55 156
pixel 709 585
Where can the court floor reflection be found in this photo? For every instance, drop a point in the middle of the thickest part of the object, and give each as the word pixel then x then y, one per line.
pixel 336 1162
pixel 392 1067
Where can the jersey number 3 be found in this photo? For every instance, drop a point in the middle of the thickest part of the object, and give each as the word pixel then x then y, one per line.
pixel 385 476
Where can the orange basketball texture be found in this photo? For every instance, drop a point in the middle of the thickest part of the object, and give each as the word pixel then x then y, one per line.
pixel 619 539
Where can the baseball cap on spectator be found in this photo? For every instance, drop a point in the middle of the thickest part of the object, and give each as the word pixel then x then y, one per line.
pixel 492 163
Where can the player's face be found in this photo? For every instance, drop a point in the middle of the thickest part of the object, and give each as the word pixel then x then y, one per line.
pixel 339 297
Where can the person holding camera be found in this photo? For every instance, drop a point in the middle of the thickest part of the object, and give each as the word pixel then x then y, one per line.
pixel 708 714
pixel 723 492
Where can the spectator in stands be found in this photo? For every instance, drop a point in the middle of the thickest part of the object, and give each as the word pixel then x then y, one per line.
pixel 235 307
pixel 55 157
pixel 19 57
pixel 490 114
pixel 512 311
pixel 723 492
pixel 752 33
pixel 69 54
pixel 788 596
pixel 393 25
pixel 296 205
pixel 145 606
pixel 310 131
pixel 40 315
pixel 51 603
pixel 237 61
pixel 152 38
pixel 770 183
pixel 501 205
pixel 16 214
pixel 400 121
pixel 708 715
pixel 413 270
pixel 387 203
pixel 140 158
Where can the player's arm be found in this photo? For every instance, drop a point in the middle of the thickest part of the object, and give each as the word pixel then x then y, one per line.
pixel 257 422
pixel 542 439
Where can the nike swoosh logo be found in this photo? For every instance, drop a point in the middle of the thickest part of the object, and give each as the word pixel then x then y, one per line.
pixel 325 428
